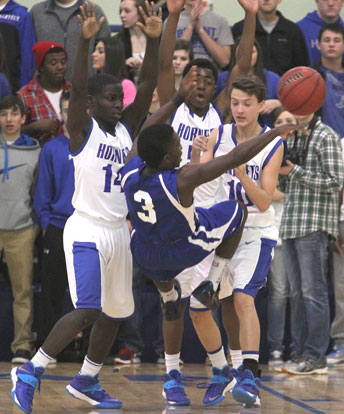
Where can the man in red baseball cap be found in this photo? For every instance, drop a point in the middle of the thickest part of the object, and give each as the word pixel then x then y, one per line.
pixel 42 95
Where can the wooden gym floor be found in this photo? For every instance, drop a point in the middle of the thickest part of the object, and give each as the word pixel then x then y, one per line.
pixel 139 388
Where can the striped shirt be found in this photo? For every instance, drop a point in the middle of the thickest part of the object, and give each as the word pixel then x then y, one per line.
pixel 312 190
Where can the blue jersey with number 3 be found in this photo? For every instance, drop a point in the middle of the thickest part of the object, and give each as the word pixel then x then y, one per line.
pixel 153 205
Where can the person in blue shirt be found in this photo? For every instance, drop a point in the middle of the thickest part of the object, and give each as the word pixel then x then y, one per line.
pixel 331 66
pixel 327 12
pixel 53 206
pixel 17 28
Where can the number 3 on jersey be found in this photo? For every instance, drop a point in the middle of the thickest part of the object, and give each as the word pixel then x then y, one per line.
pixel 148 215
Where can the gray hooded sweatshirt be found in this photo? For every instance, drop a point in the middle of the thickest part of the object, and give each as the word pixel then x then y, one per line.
pixel 18 169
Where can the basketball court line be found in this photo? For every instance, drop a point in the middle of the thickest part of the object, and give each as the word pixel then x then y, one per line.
pixel 292 400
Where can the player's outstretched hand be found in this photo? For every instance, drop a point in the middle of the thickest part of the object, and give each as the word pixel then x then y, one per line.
pixel 188 83
pixel 199 145
pixel 285 130
pixel 240 171
pixel 249 5
pixel 89 24
pixel 175 6
pixel 152 25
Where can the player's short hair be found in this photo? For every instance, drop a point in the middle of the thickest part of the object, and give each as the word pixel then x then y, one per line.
pixel 202 63
pixel 96 83
pixel 252 85
pixel 182 44
pixel 153 143
pixel 332 27
pixel 12 102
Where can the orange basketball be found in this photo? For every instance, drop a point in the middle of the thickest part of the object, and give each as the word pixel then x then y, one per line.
pixel 302 90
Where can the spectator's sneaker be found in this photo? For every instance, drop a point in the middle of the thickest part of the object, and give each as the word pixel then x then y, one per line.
pixel 87 388
pixel 247 390
pixel 172 310
pixel 173 390
pixel 126 356
pixel 275 361
pixel 291 363
pixel 307 366
pixel 237 373
pixel 205 294
pixel 21 356
pixel 336 357
pixel 25 380
pixel 221 382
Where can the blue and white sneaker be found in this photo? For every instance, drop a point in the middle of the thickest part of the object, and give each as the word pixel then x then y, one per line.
pixel 25 380
pixel 173 390
pixel 221 382
pixel 237 373
pixel 87 388
pixel 247 390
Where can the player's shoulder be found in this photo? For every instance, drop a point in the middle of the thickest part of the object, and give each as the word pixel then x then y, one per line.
pixel 134 165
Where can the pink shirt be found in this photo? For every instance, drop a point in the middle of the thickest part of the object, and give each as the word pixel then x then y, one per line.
pixel 129 90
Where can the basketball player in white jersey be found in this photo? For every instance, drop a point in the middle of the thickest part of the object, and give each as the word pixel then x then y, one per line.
pixel 196 116
pixel 254 185
pixel 96 237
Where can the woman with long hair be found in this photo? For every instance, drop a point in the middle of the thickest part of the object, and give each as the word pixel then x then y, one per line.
pixel 109 57
pixel 132 36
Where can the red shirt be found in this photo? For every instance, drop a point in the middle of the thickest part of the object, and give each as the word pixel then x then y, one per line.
pixel 39 107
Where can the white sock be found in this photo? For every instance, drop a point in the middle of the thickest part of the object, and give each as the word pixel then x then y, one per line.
pixel 218 358
pixel 90 368
pixel 216 270
pixel 171 295
pixel 236 357
pixel 251 355
pixel 41 359
pixel 172 362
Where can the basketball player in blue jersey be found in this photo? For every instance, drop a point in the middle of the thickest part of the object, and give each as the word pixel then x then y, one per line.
pixel 96 236
pixel 253 184
pixel 196 116
pixel 170 234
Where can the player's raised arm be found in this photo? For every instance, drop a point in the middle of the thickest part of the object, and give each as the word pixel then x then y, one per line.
pixel 148 78
pixel 244 56
pixel 191 176
pixel 78 122
pixel 166 78
pixel 164 113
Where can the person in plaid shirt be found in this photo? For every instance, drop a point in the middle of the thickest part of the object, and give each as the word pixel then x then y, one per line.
pixel 314 178
pixel 42 94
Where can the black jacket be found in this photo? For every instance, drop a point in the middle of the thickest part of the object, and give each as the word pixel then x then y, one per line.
pixel 283 49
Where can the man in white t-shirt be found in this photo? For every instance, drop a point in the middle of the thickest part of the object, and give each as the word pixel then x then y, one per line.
pixel 41 96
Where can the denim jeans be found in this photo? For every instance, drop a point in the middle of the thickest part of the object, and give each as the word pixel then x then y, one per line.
pixel 305 260
pixel 278 292
pixel 337 327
